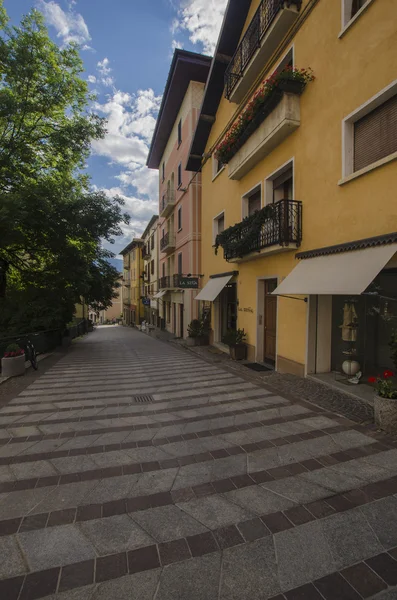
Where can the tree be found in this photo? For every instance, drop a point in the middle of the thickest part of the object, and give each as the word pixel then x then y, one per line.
pixel 52 223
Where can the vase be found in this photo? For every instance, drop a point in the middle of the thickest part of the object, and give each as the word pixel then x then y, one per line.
pixel 13 366
pixel 350 367
pixel 386 413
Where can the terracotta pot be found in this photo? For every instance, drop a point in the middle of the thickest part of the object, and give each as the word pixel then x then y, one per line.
pixel 13 366
pixel 386 413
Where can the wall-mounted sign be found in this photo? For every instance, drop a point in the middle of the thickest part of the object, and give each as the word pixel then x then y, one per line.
pixel 146 301
pixel 188 283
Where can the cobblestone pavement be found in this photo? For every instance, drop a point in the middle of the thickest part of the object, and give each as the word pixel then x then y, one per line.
pixel 133 470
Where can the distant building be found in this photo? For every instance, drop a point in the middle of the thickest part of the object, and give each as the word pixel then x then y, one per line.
pixel 150 255
pixel 133 283
pixel 113 312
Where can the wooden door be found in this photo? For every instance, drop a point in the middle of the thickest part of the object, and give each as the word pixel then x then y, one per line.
pixel 270 322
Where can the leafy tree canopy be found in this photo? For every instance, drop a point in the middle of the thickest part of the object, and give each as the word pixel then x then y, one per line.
pixel 52 223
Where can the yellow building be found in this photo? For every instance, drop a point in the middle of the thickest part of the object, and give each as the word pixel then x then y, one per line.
pixel 314 169
pixel 133 283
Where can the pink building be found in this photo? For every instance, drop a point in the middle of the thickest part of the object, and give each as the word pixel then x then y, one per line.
pixel 179 191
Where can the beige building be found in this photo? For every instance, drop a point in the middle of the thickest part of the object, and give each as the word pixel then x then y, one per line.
pixel 150 256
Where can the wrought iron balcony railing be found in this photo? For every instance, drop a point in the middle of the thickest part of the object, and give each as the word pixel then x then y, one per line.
pixel 262 19
pixel 167 241
pixel 278 224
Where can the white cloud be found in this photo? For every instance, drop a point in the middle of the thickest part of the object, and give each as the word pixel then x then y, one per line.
pixel 104 71
pixel 175 44
pixel 91 78
pixel 202 20
pixel 70 26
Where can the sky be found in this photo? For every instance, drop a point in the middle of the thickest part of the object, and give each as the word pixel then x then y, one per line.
pixel 127 47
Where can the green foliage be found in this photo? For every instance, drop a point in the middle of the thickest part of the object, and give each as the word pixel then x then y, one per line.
pixel 238 239
pixel 12 348
pixel 52 223
pixel 198 328
pixel 234 337
pixel 393 347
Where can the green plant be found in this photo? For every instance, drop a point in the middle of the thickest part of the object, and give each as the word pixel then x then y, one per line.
pixel 384 385
pixel 13 350
pixel 224 150
pixel 393 346
pixel 234 337
pixel 194 328
pixel 239 238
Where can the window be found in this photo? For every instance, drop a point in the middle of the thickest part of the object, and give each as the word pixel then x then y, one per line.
pixel 180 271
pixel 218 225
pixel 179 218
pixel 351 9
pixel 217 166
pixel 283 186
pixel 252 201
pixel 152 267
pixel 370 134
pixel 152 242
pixel 163 171
pixel 163 269
pixel 375 134
pixel 179 175
pixel 180 133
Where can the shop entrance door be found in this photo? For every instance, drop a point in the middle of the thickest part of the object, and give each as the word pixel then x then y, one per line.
pixel 270 322
pixel 228 308
pixel 181 319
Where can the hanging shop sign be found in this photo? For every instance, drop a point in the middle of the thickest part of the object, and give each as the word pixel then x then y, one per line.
pixel 190 283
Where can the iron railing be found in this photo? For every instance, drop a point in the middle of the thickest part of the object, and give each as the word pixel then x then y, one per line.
pixel 170 281
pixel 167 199
pixel 165 282
pixel 43 341
pixel 283 227
pixel 262 19
pixel 168 240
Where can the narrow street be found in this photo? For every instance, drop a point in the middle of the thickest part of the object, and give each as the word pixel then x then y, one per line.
pixel 132 470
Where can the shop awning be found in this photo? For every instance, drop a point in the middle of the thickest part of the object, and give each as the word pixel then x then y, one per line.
pixel 160 294
pixel 347 273
pixel 213 288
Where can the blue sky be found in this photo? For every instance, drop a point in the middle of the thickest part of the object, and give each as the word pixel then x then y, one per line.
pixel 127 46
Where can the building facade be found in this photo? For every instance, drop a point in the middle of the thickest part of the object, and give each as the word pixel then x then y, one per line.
pixel 133 283
pixel 115 311
pixel 150 255
pixel 302 205
pixel 179 192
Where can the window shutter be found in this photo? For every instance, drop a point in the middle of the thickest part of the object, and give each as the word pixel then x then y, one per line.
pixel 375 135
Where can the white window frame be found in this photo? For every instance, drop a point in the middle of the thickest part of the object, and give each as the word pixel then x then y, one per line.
pixel 268 188
pixel 215 162
pixel 215 225
pixel 346 9
pixel 245 199
pixel 348 172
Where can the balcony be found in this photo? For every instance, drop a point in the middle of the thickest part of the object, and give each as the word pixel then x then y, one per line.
pixel 275 228
pixel 167 243
pixel 165 283
pixel 268 27
pixel 146 252
pixel 283 120
pixel 167 203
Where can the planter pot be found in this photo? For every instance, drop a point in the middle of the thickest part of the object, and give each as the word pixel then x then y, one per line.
pixel 238 352
pixel 190 341
pixel 11 367
pixel 291 86
pixel 386 413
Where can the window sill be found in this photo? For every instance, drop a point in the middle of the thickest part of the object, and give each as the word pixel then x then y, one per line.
pixel 218 173
pixel 354 19
pixel 368 169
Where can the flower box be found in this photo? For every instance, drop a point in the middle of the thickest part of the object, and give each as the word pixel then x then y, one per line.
pixel 13 366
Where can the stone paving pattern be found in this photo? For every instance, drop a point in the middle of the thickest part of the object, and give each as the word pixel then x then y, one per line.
pixel 217 487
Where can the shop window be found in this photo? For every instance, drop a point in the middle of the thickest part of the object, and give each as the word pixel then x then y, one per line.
pixel 218 225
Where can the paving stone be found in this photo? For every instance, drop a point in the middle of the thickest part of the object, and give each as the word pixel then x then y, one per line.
pixel 363 470
pixel 11 561
pixel 74 464
pixel 263 459
pixel 335 587
pixel 385 566
pixel 350 538
pixel 153 482
pixel 66 496
pixel 382 517
pixel 216 511
pixel 336 482
pixel 40 468
pixel 253 529
pixel 173 551
pixel 77 575
pixel 115 534
pixel 364 580
pixel 248 570
pixel 20 503
pixel 196 474
pixel 141 586
pixel 297 489
pixel 303 555
pixel 258 500
pixel 109 489
pixel 55 546
pixel 196 579
pixel 167 523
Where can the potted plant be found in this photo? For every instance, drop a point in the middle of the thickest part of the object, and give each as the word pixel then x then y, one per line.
pixel 235 339
pixel 13 361
pixel 385 401
pixel 198 333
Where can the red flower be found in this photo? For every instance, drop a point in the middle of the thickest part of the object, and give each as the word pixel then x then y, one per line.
pixel 371 379
pixel 387 374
